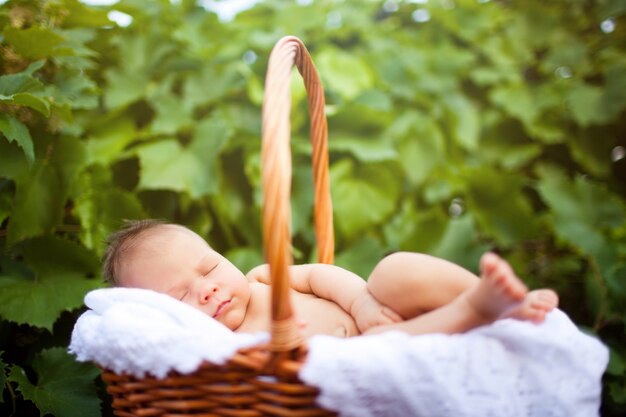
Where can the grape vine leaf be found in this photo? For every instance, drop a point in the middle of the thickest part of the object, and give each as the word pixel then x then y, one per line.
pixel 464 120
pixel 587 105
pixel 421 151
pixel 64 388
pixel 362 256
pixel 579 219
pixel 23 89
pixel 57 280
pixel 100 211
pixel 124 88
pixel 499 206
pixel 109 138
pixel 194 169
pixel 38 204
pixel 34 42
pixel 344 73
pixel 362 197
pixel 41 192
pixel 517 101
pixel 363 150
pixel 15 131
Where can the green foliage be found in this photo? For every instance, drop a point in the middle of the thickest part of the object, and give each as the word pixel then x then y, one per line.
pixel 453 130
pixel 64 387
pixel 3 374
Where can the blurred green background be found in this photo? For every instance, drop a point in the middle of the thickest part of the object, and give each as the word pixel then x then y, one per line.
pixel 456 127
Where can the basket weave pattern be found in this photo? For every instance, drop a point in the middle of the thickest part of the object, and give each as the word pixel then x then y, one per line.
pixel 261 381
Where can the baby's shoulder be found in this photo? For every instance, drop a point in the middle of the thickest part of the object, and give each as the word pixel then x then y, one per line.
pixel 256 286
pixel 259 274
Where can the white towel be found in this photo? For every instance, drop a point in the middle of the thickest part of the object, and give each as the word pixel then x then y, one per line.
pixel 507 369
pixel 136 331
pixel 510 368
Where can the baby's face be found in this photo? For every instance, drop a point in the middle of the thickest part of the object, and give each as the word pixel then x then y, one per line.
pixel 176 261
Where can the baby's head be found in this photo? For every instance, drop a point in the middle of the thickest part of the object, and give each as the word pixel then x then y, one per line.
pixel 172 259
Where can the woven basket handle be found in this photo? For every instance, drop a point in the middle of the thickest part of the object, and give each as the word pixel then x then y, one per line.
pixel 276 172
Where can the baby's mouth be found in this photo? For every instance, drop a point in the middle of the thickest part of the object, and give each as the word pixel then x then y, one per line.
pixel 221 308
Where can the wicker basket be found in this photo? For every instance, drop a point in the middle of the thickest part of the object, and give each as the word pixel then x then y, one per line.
pixel 261 381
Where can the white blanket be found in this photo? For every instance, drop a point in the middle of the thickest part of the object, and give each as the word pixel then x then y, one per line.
pixel 509 368
pixel 136 331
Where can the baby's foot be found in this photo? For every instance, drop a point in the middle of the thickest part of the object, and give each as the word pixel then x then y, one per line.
pixel 535 306
pixel 498 291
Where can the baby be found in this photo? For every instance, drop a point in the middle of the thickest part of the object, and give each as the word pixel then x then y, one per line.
pixel 410 292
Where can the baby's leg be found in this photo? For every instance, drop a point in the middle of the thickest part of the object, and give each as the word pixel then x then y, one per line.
pixel 412 284
pixel 498 292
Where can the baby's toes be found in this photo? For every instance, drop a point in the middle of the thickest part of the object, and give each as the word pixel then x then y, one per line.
pixel 488 263
pixel 547 298
pixel 540 305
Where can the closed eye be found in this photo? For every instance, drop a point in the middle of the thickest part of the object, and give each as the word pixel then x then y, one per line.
pixel 211 269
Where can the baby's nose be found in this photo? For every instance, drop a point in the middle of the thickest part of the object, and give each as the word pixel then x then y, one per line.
pixel 206 293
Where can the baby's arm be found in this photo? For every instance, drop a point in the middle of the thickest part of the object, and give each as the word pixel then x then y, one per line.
pixel 336 284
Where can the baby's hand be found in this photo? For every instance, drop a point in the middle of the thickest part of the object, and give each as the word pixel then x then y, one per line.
pixel 368 312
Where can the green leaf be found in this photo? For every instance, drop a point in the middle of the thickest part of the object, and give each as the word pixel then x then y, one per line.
pixel 509 154
pixel 587 105
pixel 497 202
pixel 101 207
pixel 64 388
pixel 344 73
pixel 362 197
pixel 617 391
pixel 14 130
pixel 464 120
pixel 616 283
pixel 365 150
pixel 14 164
pixel 124 88
pixel 6 199
pixel 34 42
pixel 60 269
pixel 591 153
pixel 611 8
pixel 581 204
pixel 78 92
pixel 211 84
pixel 24 89
pixel 28 100
pixel 192 169
pixel 570 52
pixel 459 244
pixel 583 212
pixel 517 101
pixel 21 81
pixel 81 15
pixel 245 258
pixel 109 139
pixel 421 149
pixel 362 256
pixel 414 230
pixel 615 89
pixel 38 205
pixel 375 100
pixel 171 114
pixel 302 197
pixel 42 191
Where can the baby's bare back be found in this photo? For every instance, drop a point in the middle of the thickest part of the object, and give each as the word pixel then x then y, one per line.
pixel 319 316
